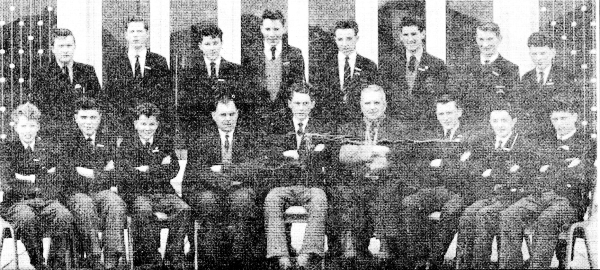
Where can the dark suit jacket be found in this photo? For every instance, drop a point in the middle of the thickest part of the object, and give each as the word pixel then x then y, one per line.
pixel 253 63
pixel 198 92
pixel 329 96
pixel 43 158
pixel 479 86
pixel 206 152
pixel 54 95
pixel 124 93
pixel 429 84
pixel 77 152
pixel 157 180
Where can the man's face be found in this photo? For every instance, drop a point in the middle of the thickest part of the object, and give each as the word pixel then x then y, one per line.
pixel 27 129
pixel 372 104
pixel 225 116
pixel 64 49
pixel 487 42
pixel 146 126
pixel 412 38
pixel 272 31
pixel 502 123
pixel 136 35
pixel 448 114
pixel 88 121
pixel 541 56
pixel 346 40
pixel 301 105
pixel 563 122
pixel 211 47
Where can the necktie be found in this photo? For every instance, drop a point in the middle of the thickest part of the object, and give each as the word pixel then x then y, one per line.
pixel 148 145
pixel 541 79
pixel 65 72
pixel 412 63
pixel 498 144
pixel 347 71
pixel 273 49
pixel 28 149
pixel 227 145
pixel 486 62
pixel 90 142
pixel 213 70
pixel 300 134
pixel 138 70
pixel 448 134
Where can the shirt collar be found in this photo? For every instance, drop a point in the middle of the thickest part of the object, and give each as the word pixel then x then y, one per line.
pixel 151 140
pixel 217 62
pixel 32 144
pixel 492 59
pixel 69 65
pixel 503 141
pixel 418 54
pixel 452 130
pixel 223 133
pixel 267 50
pixel 296 122
pixel 133 52
pixel 351 56
pixel 567 136
pixel 93 137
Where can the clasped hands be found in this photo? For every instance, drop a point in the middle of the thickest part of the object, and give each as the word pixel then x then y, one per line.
pixel 89 173
pixel 145 168
pixel 31 177
pixel 293 154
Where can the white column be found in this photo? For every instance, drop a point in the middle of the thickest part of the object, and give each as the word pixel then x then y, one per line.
pixel 435 25
pixel 368 30
pixel 517 20
pixel 297 27
pixel 230 21
pixel 84 19
pixel 160 28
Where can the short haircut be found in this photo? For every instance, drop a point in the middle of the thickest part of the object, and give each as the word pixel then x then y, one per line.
pixel 563 103
pixel 410 21
pixel 212 31
pixel 301 88
pixel 224 98
pixel 346 25
pixel 273 15
pixel 504 106
pixel 147 109
pixel 61 33
pixel 136 19
pixel 373 88
pixel 446 98
pixel 489 27
pixel 30 111
pixel 86 104
pixel 538 39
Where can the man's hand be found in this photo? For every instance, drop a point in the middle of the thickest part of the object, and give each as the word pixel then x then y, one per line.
pixel 52 170
pixel 29 178
pixel 166 160
pixel 487 173
pixel 378 163
pixel 85 172
pixel 216 168
pixel 143 168
pixel 436 163
pixel 319 147
pixel 110 166
pixel 573 162
pixel 514 168
pixel 379 151
pixel 291 154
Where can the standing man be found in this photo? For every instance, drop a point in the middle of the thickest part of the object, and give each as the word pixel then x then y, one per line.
pixel 89 171
pixel 342 76
pixel 136 76
pixel 540 85
pixel 271 67
pixel 486 79
pixel 202 80
pixel 56 86
pixel 415 78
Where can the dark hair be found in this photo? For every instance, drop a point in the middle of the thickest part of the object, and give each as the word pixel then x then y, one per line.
pixel 565 103
pixel 147 109
pixel 346 25
pixel 409 21
pixel 61 33
pixel 273 15
pixel 489 27
pixel 446 98
pixel 504 106
pixel 137 19
pixel 86 103
pixel 538 39
pixel 30 111
pixel 223 97
pixel 212 31
pixel 301 88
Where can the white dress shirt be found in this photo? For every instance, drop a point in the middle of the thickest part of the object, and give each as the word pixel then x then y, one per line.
pixel 131 53
pixel 278 47
pixel 342 62
pixel 296 128
pixel 217 65
pixel 483 58
pixel 546 74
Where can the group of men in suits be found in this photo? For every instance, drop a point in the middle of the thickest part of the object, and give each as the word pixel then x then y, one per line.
pixel 367 151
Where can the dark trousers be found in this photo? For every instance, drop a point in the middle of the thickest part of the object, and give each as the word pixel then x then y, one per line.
pixel 146 230
pixel 37 218
pixel 229 218
pixel 478 225
pixel 416 210
pixel 549 213
pixel 105 211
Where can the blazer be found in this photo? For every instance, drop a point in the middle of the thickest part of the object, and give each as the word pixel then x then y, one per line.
pixel 479 87
pixel 157 180
pixel 329 96
pixel 54 95
pixel 429 84
pixel 43 158
pixel 124 93
pixel 198 91
pixel 77 152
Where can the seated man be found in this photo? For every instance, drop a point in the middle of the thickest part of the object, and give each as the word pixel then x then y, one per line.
pixel 219 185
pixel 32 190
pixel 298 186
pixel 440 184
pixel 559 194
pixel 369 177
pixel 149 165
pixel 500 163
pixel 89 172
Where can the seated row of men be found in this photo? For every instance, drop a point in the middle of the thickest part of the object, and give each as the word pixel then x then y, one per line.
pixel 375 176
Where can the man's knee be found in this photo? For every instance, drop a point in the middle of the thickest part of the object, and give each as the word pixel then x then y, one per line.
pixel 22 215
pixel 142 206
pixel 242 197
pixel 275 197
pixel 318 197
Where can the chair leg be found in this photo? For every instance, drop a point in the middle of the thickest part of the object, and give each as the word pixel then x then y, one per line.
pixel 15 240
pixel 196 228
pixel 130 244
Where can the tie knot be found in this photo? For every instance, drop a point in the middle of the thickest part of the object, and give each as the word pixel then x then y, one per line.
pixel 273 49
pixel 137 56
pixel 347 58
pixel 487 62
pixel 212 64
